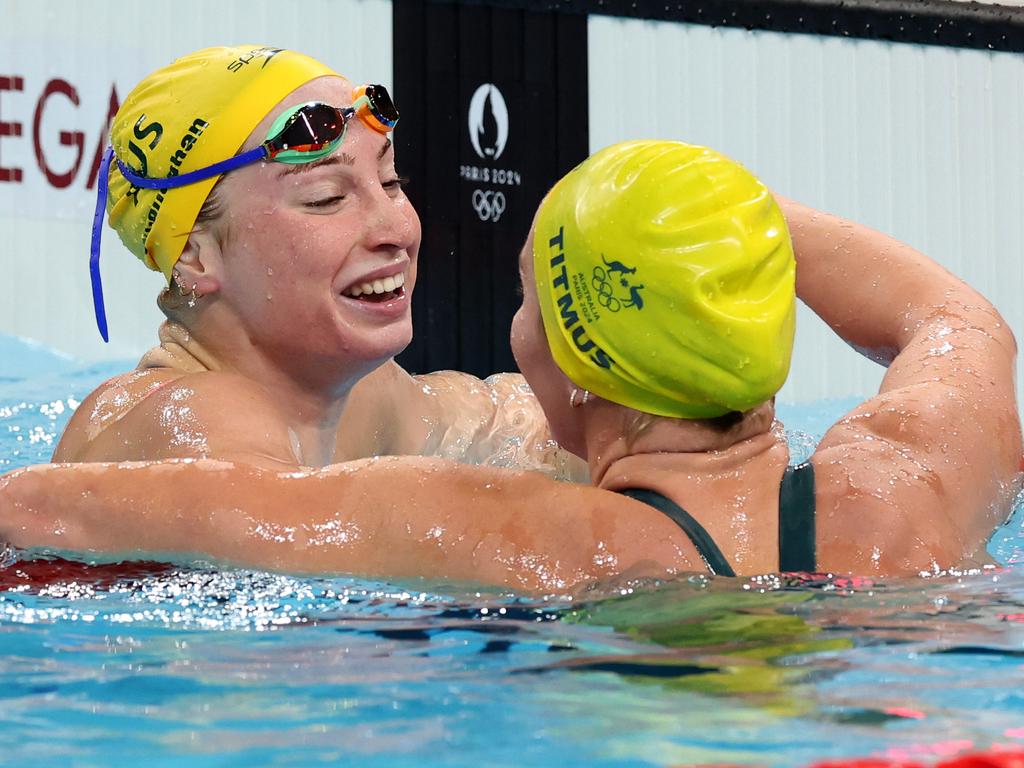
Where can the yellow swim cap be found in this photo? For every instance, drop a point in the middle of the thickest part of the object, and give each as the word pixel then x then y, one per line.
pixel 666 280
pixel 195 112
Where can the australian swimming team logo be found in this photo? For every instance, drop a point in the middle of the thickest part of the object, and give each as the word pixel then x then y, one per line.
pixel 615 286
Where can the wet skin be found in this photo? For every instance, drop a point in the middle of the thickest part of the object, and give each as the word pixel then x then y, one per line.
pixel 278 364
pixel 276 377
pixel 912 480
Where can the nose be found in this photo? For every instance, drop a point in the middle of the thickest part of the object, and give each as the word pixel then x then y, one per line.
pixel 392 222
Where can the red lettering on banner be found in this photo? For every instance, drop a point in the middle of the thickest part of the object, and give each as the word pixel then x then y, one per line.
pixel 97 158
pixel 73 139
pixel 67 138
pixel 10 129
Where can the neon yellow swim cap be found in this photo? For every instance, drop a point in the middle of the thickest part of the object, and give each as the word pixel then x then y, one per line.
pixel 192 113
pixel 666 280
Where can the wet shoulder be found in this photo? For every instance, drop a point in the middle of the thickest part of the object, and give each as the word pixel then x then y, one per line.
pixel 105 406
pixel 434 414
pixel 905 483
pixel 482 421
pixel 160 413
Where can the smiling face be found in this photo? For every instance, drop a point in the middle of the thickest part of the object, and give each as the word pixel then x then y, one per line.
pixel 318 260
pixel 530 348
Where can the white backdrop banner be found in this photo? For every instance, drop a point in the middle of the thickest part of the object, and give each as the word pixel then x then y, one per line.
pixel 59 87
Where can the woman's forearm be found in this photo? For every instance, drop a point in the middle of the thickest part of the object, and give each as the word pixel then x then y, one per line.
pixel 875 292
pixel 391 517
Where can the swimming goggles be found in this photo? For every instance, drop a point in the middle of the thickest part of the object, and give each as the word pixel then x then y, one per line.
pixel 301 134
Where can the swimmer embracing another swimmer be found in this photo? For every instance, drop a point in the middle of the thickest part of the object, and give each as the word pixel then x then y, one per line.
pixel 267 196
pixel 656 327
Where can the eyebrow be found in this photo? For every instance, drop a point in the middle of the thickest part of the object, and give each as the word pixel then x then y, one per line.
pixel 342 158
pixel 339 159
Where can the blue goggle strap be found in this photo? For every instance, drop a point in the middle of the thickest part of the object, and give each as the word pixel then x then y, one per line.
pixel 172 182
pixel 94 251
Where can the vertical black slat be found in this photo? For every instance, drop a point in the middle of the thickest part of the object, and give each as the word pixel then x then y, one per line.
pixel 439 117
pixel 542 92
pixel 539 70
pixel 408 66
pixel 508 52
pixel 573 122
pixel 540 74
pixel 444 52
pixel 474 241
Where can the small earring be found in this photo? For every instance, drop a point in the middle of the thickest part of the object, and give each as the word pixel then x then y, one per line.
pixel 193 298
pixel 583 401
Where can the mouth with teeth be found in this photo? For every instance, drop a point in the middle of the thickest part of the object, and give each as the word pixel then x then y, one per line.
pixel 376 291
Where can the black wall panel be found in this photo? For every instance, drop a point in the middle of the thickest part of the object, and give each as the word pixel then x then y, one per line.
pixel 520 68
pixel 494 111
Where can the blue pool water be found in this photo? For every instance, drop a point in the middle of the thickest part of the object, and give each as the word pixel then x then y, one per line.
pixel 201 667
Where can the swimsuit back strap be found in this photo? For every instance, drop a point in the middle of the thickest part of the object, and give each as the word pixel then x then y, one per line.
pixel 706 547
pixel 797 551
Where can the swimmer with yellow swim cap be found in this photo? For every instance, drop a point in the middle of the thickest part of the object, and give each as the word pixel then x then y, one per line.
pixel 666 281
pixel 262 185
pixel 656 327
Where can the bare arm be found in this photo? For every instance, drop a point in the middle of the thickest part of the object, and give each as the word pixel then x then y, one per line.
pixel 881 295
pixel 394 517
pixel 928 465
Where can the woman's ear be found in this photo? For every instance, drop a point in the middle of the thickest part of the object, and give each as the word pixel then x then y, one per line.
pixel 201 265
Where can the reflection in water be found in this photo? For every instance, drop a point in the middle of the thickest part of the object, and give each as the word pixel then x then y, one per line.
pixel 715 642
pixel 765 671
pixel 783 647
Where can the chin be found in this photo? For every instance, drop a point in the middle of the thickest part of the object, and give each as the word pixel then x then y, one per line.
pixel 382 345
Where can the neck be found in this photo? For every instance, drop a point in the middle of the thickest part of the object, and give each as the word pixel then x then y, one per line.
pixel 310 406
pixel 729 481
pixel 614 434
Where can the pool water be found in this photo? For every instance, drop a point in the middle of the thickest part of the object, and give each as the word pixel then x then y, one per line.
pixel 168 666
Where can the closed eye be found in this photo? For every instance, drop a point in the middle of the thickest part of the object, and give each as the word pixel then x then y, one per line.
pixel 325 202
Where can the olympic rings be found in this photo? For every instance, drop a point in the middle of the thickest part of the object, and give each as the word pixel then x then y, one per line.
pixel 604 290
pixel 488 205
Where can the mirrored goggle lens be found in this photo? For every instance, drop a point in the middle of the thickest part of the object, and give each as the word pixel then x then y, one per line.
pixel 381 105
pixel 311 128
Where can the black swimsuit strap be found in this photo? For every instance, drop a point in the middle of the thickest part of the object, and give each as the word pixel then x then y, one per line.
pixel 797 552
pixel 706 547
